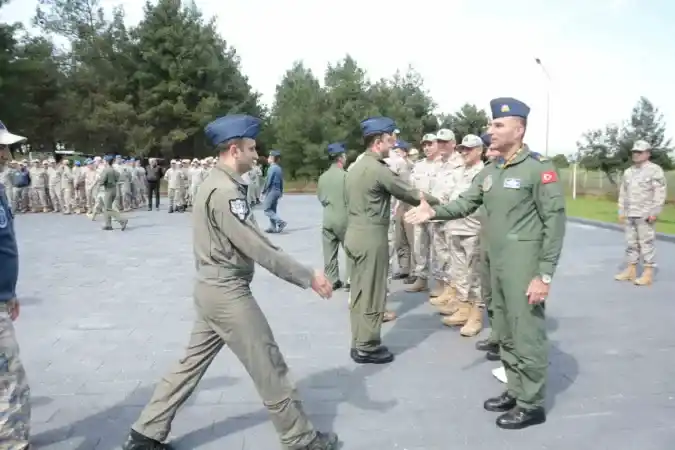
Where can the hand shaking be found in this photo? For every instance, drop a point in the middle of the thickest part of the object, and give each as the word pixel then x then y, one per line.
pixel 420 214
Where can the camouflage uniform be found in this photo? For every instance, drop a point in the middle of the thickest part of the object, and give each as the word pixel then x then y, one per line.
pixel 421 178
pixel 642 194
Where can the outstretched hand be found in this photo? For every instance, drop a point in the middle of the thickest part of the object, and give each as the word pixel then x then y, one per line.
pixel 322 285
pixel 420 214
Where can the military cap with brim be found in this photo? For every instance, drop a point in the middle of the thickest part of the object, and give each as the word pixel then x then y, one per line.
pixel 275 153
pixel 486 138
pixel 235 126
pixel 641 146
pixel 471 141
pixel 336 148
pixel 508 107
pixel 377 125
pixel 429 137
pixel 403 145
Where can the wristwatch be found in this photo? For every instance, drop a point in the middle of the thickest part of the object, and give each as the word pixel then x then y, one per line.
pixel 546 279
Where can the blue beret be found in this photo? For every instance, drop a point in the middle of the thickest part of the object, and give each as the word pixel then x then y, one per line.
pixel 108 158
pixel 77 163
pixel 487 140
pixel 275 153
pixel 377 125
pixel 403 145
pixel 508 107
pixel 118 156
pixel 336 148
pixel 235 126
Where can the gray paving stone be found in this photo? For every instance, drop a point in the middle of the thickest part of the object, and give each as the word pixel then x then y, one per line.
pixel 105 314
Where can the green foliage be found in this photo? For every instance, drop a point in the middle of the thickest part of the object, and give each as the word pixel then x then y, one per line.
pixel 609 149
pixel 148 90
pixel 560 161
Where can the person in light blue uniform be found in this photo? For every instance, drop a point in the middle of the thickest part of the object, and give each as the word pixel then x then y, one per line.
pixel 273 191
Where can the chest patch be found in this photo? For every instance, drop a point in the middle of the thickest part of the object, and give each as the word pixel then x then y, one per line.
pixel 512 183
pixel 487 183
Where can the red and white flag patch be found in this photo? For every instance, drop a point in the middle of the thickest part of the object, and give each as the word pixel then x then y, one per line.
pixel 549 177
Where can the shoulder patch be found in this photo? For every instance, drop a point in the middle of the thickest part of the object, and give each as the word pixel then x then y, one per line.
pixel 550 176
pixel 538 156
pixel 239 208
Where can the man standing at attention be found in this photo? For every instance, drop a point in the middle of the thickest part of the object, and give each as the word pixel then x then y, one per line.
pixel 331 194
pixel 525 211
pixel 641 198
pixel 369 188
pixel 14 391
pixel 227 245
pixel 273 191
pixel 153 174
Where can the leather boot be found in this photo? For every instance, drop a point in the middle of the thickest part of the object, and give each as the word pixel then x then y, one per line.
pixel 438 290
pixel 460 317
pixel 420 285
pixel 449 308
pixel 628 274
pixel 474 325
pixel 646 278
pixel 447 295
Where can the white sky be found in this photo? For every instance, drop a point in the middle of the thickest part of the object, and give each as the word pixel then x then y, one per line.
pixel 598 60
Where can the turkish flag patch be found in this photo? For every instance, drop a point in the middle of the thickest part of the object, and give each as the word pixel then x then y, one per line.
pixel 549 177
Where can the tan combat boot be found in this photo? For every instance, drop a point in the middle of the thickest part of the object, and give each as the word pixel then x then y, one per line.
pixel 451 304
pixel 474 325
pixel 449 295
pixel 420 285
pixel 438 290
pixel 628 274
pixel 646 278
pixel 460 317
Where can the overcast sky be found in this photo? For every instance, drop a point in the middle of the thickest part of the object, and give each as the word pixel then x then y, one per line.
pixel 601 54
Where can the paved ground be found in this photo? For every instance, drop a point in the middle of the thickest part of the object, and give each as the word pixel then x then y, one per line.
pixel 106 313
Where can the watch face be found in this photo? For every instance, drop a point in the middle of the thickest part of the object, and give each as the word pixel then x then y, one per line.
pixel 546 279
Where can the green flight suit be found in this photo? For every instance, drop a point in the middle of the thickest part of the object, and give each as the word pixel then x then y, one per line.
pixel 486 286
pixel 525 226
pixel 109 180
pixel 227 245
pixel 331 194
pixel 370 184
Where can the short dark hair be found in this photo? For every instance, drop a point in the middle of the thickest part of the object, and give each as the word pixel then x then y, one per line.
pixel 368 141
pixel 335 157
pixel 225 146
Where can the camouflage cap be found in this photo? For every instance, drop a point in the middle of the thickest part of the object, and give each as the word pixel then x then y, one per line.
pixel 641 146
pixel 429 137
pixel 445 135
pixel 471 141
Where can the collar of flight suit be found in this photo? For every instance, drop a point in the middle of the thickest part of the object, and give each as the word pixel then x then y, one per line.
pixel 522 155
pixel 372 154
pixel 242 186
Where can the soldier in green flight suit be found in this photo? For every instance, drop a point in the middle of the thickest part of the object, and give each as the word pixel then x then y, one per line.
pixel 525 210
pixel 490 345
pixel 369 187
pixel 331 194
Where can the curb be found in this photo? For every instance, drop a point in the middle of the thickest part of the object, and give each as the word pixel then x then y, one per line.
pixel 616 227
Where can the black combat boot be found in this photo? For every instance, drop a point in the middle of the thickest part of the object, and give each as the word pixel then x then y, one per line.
pixel 487 345
pixel 380 356
pixel 136 441
pixel 323 441
pixel 519 418
pixel 502 403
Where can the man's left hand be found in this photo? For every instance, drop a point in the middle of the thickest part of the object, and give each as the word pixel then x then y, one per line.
pixel 651 219
pixel 537 291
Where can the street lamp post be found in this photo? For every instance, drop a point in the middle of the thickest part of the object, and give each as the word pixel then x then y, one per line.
pixel 548 99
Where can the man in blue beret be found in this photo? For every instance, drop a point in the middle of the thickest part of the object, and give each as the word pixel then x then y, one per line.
pixel 227 246
pixel 109 182
pixel 369 187
pixel 273 190
pixel 526 206
pixel 331 194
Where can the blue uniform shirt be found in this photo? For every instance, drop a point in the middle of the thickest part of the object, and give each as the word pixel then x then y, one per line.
pixel 9 253
pixel 275 179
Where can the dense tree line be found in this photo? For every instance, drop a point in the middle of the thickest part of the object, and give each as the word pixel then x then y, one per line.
pixel 90 83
